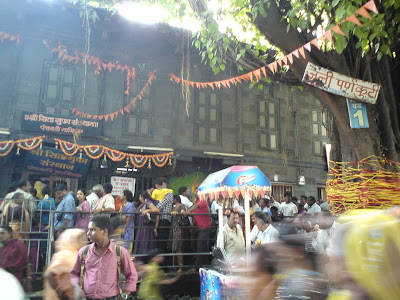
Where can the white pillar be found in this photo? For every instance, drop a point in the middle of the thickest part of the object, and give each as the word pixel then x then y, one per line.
pixel 247 200
pixel 221 227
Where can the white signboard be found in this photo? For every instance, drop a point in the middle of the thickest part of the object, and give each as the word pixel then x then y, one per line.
pixel 340 84
pixel 122 183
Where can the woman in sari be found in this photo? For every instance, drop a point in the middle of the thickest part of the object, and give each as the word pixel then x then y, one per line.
pixel 82 220
pixel 144 232
pixel 13 254
pixel 16 216
pixel 129 218
pixel 176 234
pixel 57 282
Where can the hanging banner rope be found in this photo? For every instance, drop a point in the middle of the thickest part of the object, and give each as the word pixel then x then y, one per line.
pixel 288 59
pixel 25 144
pixel 97 151
pixel 364 184
pixel 92 60
pixel 127 108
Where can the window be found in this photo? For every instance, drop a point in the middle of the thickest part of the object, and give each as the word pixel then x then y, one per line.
pixel 279 189
pixel 207 118
pixel 58 88
pixel 319 123
pixel 139 122
pixel 268 123
pixel 321 191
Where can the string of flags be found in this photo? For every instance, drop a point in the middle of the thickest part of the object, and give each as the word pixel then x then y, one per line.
pixel 287 60
pixel 92 60
pixel 127 108
pixel 256 74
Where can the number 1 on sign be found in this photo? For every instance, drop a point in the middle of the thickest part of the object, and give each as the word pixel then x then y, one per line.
pixel 359 114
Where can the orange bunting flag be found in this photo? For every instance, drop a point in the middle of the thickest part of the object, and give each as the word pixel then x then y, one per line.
pixel 275 65
pixel 95 117
pixel 127 108
pixel 272 68
pixel 315 43
pixel 279 61
pixel 73 110
pixel 370 5
pixel 78 113
pixel 290 58
pixel 101 117
pixel 328 35
pixel 302 52
pixel 106 117
pixel 363 12
pixel 121 111
pixel 337 30
pixel 257 73
pixel 296 53
pixel 264 71
pixel 352 18
pixel 285 61
pixel 308 47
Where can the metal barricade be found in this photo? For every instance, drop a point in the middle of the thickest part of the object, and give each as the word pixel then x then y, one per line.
pixel 160 242
pixel 28 223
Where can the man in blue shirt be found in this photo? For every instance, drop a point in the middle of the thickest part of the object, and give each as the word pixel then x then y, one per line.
pixel 62 220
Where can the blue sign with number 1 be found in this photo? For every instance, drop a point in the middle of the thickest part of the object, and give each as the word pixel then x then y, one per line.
pixel 357 114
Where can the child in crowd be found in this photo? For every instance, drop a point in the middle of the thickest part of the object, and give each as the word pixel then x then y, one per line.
pixel 154 277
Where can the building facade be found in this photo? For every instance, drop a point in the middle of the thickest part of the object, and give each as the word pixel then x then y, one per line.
pixel 281 129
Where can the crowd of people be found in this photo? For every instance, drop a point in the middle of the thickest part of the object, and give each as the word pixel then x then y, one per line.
pixel 296 244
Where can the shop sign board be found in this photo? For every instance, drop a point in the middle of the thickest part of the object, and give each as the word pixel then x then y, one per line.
pixel 59 124
pixel 340 84
pixel 52 161
pixel 357 114
pixel 122 183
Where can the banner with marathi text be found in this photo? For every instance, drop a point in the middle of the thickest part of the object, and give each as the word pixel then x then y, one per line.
pixel 59 124
pixel 340 84
pixel 52 161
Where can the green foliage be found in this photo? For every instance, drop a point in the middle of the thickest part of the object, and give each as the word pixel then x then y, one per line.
pixel 376 35
pixel 243 40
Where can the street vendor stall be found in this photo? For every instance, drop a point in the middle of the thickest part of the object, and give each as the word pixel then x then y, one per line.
pixel 233 182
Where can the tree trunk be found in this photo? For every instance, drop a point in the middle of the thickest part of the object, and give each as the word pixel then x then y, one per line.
pixel 355 144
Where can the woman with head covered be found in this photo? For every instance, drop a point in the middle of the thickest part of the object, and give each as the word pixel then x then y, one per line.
pixel 57 282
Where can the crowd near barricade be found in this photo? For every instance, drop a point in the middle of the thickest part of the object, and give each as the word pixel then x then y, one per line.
pixel 295 247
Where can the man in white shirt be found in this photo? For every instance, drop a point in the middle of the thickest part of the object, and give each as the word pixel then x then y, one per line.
pixel 267 233
pixel 183 194
pixel 233 237
pixel 254 232
pixel 23 186
pixel 327 227
pixel 94 196
pixel 106 202
pixel 289 209
pixel 303 200
pixel 275 203
pixel 324 206
pixel 313 207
